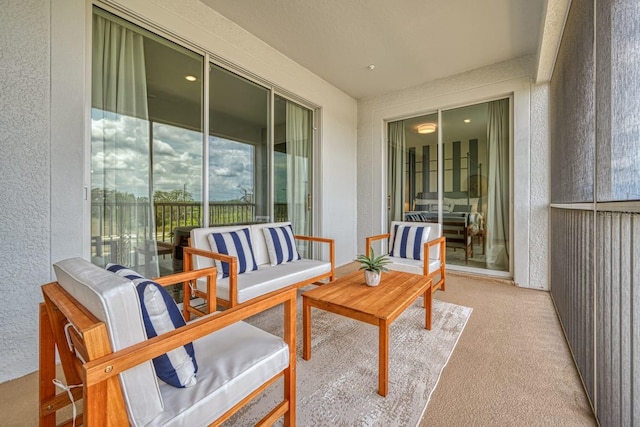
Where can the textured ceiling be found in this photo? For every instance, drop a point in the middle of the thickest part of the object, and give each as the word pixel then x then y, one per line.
pixel 409 41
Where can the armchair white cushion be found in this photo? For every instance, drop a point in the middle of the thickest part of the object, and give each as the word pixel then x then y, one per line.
pixel 436 254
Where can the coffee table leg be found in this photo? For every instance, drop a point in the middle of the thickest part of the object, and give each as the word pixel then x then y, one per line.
pixel 306 328
pixel 383 358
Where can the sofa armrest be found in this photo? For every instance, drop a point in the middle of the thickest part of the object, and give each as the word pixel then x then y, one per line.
pixel 330 242
pixel 188 278
pixel 189 252
pixel 209 254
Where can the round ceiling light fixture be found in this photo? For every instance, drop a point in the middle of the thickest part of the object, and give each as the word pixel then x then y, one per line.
pixel 427 128
pixel 190 78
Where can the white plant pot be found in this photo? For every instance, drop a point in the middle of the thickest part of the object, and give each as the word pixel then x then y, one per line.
pixel 371 278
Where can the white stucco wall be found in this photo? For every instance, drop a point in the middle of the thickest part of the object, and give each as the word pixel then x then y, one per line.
pixel 530 147
pixel 25 229
pixel 44 121
pixel 540 189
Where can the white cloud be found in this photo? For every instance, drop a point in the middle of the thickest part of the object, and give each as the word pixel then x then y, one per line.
pixel 121 157
pixel 231 166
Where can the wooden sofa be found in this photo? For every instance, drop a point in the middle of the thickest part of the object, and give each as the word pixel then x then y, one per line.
pixel 239 288
pixel 92 317
pixel 432 264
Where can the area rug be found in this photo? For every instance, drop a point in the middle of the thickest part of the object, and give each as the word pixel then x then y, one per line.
pixel 339 385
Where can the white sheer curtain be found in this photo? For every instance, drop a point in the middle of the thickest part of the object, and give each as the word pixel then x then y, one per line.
pixel 122 216
pixel 497 214
pixel 395 167
pixel 298 134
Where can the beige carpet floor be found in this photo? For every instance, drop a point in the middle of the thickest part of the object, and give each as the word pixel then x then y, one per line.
pixel 511 365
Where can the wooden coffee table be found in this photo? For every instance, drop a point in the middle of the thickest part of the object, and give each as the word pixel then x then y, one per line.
pixel 380 305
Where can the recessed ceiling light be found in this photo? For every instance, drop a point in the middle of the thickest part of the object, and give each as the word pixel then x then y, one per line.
pixel 191 78
pixel 467 120
pixel 427 128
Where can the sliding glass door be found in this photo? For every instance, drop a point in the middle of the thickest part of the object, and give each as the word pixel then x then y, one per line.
pixel 293 166
pixel 159 169
pixel 458 176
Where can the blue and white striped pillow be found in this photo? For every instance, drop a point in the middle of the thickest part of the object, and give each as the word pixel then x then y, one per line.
pixel 234 243
pixel 161 314
pixel 281 244
pixel 409 240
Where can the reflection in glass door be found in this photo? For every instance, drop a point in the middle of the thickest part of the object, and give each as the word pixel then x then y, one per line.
pixel 146 145
pixel 238 149
pixel 460 181
pixel 292 166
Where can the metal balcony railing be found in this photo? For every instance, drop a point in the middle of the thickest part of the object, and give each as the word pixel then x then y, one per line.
pixel 117 229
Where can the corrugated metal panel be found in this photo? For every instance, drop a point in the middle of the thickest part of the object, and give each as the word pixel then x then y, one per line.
pixel 572 284
pixel 618 319
pixel 610 365
pixel 635 321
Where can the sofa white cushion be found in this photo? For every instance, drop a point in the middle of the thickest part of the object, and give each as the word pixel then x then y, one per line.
pixel 267 278
pixel 409 241
pixel 228 370
pixel 281 244
pixel 235 243
pixel 161 314
pixel 114 301
pixel 270 278
pixel 200 240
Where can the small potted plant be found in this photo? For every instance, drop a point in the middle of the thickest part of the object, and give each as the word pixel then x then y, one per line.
pixel 373 266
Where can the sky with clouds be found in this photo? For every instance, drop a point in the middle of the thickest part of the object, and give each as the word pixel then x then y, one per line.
pixel 120 159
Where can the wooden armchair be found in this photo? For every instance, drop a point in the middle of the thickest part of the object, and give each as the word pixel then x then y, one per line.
pixel 432 263
pixel 93 318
